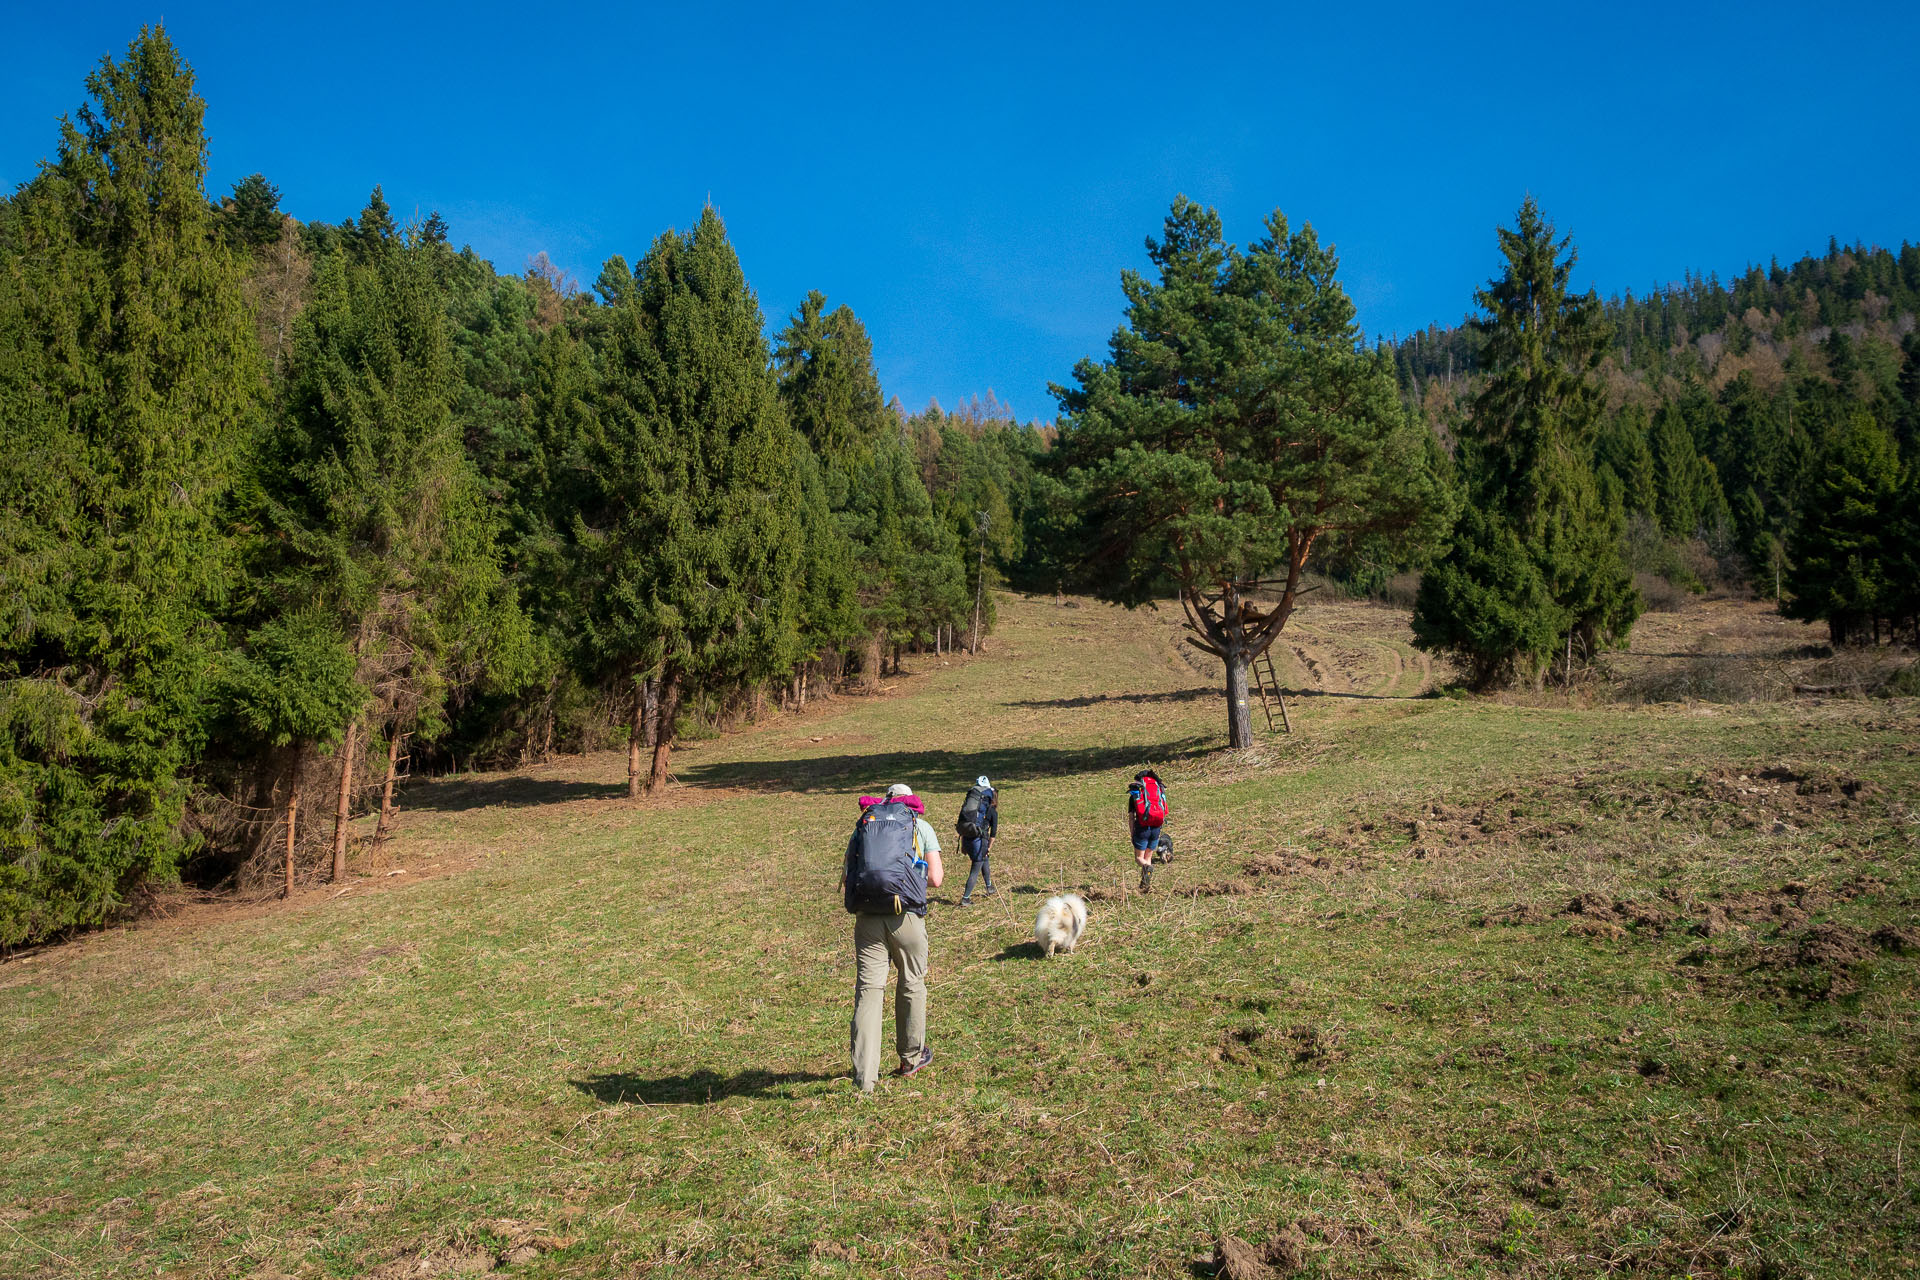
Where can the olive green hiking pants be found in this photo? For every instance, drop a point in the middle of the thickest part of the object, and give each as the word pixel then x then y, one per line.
pixel 876 940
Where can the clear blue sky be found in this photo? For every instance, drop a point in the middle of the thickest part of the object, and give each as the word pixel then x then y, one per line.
pixel 973 178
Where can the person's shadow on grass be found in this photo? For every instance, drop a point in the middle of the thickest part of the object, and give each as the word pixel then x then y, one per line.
pixel 701 1087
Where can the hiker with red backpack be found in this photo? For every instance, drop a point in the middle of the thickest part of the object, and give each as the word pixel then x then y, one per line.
pixel 1146 814
pixel 893 858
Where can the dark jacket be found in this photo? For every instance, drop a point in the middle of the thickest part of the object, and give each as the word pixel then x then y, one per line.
pixel 990 814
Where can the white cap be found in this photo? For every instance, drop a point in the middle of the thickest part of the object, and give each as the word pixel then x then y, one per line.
pixel 982 783
pixel 897 790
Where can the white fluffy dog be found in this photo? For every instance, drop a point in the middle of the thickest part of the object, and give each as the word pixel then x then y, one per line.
pixel 1060 923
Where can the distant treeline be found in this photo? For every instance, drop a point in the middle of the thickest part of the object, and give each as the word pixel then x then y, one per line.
pixel 286 507
pixel 1757 429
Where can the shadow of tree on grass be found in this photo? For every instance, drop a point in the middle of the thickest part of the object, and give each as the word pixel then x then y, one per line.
pixel 700 1087
pixel 1095 699
pixel 458 795
pixel 934 770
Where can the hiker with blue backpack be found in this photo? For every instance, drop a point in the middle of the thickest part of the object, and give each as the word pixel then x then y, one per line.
pixel 1146 814
pixel 893 858
pixel 979 823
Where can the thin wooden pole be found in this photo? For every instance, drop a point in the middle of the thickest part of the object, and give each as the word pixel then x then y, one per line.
pixel 293 813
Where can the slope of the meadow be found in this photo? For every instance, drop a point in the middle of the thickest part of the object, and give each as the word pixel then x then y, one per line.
pixel 1432 987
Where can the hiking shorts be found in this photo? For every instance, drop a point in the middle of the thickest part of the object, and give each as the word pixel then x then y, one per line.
pixel 1145 838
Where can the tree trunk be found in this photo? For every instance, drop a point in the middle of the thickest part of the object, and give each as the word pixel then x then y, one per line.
pixel 293 813
pixel 1239 714
pixel 636 739
pixel 870 669
pixel 669 709
pixel 344 809
pixel 386 789
pixel 979 590
pixel 803 688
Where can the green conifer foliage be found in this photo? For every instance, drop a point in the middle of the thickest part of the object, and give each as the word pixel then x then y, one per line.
pixel 1841 552
pixel 1527 463
pixel 691 542
pixel 129 374
pixel 250 218
pixel 825 365
pixel 907 561
pixel 377 518
pixel 1238 420
pixel 1621 451
pixel 1687 490
pixel 907 576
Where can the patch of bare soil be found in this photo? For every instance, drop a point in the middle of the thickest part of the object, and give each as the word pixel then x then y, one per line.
pixel 1214 889
pixel 1235 1259
pixel 1776 798
pixel 1290 1248
pixel 1287 864
pixel 500 1242
pixel 1786 908
pixel 1305 1045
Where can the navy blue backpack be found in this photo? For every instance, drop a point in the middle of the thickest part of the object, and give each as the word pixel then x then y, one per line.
pixel 885 874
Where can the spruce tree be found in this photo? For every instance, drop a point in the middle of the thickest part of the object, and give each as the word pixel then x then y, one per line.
pixel 1527 462
pixel 1841 552
pixel 129 376
pixel 375 514
pixel 903 572
pixel 908 572
pixel 825 364
pixel 1622 452
pixel 691 551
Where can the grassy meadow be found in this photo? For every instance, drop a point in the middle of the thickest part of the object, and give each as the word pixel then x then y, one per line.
pixel 1433 986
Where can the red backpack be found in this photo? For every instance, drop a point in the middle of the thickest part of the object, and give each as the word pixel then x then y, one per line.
pixel 1149 801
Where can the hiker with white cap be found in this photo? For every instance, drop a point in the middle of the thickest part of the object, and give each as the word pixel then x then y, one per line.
pixel 893 858
pixel 979 824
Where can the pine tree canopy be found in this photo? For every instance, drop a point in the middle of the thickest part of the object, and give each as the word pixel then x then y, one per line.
pixel 1238 420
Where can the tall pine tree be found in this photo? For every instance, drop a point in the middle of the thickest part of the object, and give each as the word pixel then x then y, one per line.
pixel 1842 552
pixel 1238 420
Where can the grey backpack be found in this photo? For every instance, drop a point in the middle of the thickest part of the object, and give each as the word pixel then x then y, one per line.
pixel 973 814
pixel 885 874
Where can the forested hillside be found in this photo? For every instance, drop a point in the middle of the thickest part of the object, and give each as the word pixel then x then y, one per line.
pixel 1752 431
pixel 290 507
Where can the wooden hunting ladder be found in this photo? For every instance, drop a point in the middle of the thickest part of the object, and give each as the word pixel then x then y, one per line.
pixel 1263 679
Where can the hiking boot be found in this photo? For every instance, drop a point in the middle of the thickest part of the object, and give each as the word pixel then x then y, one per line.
pixel 966 902
pixel 1146 879
pixel 906 1069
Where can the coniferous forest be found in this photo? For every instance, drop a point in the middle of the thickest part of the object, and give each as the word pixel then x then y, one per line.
pixel 292 507
pixel 289 509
